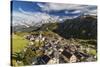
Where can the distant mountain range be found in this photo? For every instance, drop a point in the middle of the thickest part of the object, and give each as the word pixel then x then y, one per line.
pixel 83 26
pixel 36 20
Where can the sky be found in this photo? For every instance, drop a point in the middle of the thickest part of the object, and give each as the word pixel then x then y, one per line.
pixel 37 11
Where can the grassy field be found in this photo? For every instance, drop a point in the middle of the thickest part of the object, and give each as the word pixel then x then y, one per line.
pixel 18 43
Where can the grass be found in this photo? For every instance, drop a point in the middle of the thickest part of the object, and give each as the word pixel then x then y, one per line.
pixel 18 43
pixel 93 52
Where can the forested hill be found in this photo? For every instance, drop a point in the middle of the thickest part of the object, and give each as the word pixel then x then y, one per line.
pixel 84 27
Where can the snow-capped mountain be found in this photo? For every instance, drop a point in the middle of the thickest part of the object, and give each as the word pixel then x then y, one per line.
pixel 36 19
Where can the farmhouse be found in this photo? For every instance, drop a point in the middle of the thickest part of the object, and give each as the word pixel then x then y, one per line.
pixel 68 57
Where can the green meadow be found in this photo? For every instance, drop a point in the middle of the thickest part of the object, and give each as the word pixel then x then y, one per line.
pixel 18 43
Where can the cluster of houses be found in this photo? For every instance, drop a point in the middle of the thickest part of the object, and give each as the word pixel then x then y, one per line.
pixel 54 52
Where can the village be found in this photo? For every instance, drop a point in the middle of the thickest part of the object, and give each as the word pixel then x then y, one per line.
pixel 56 50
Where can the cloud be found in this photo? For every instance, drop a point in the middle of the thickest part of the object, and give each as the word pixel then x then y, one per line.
pixel 66 12
pixel 73 12
pixel 67 7
pixel 92 12
pixel 23 17
pixel 58 6
pixel 76 11
pixel 32 18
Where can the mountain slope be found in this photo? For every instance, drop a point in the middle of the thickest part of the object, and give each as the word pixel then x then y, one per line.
pixel 81 27
pixel 84 27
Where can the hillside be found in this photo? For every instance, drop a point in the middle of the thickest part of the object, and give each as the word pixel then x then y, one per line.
pixel 18 43
pixel 85 27
pixel 81 27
